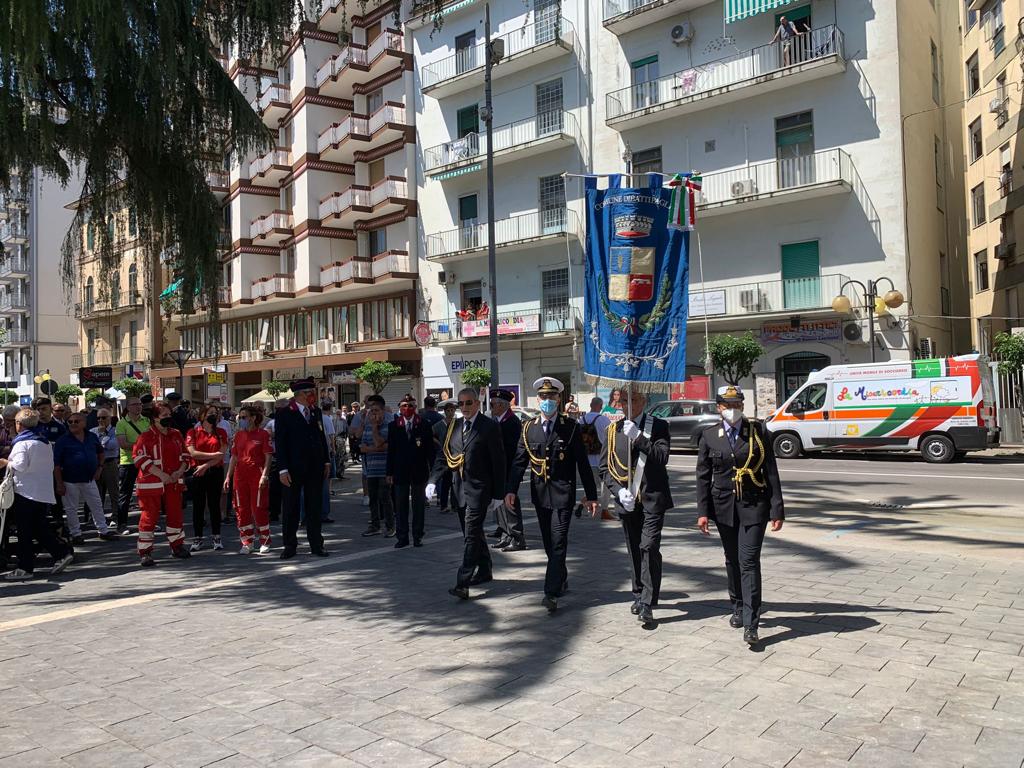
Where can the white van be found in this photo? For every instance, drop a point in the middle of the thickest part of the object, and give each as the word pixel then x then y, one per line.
pixel 941 407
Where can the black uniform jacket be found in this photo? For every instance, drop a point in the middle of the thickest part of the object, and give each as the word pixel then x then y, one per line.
pixel 717 462
pixel 410 454
pixel 511 427
pixel 299 447
pixel 566 456
pixel 654 491
pixel 482 477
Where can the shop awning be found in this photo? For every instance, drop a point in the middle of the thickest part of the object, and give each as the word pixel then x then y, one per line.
pixel 742 9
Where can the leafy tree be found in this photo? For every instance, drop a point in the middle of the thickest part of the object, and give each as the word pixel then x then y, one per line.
pixel 65 392
pixel 275 387
pixel 92 394
pixel 734 356
pixel 476 377
pixel 1009 350
pixel 8 397
pixel 133 387
pixel 377 374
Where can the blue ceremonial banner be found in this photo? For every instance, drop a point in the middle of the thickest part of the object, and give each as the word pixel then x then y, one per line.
pixel 637 285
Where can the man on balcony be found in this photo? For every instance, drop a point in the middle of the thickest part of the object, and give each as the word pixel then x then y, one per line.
pixel 788 34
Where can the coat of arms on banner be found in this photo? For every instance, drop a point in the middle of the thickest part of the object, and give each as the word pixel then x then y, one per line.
pixel 631 274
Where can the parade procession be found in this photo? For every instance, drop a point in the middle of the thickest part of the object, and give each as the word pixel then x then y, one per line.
pixel 512 384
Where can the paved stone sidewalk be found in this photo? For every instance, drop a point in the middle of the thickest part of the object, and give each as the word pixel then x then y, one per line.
pixel 873 656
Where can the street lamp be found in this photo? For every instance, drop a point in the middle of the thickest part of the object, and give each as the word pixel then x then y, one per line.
pixel 180 357
pixel 493 52
pixel 873 303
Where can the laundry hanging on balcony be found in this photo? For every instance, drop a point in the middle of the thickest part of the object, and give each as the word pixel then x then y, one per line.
pixel 735 10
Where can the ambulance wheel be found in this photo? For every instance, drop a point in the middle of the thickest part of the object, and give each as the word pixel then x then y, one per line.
pixel 937 449
pixel 787 446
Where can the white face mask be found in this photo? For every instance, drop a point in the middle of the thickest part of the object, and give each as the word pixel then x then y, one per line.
pixel 732 415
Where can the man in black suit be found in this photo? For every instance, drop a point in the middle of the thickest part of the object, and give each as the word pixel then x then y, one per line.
pixel 472 449
pixel 738 487
pixel 510 517
pixel 634 463
pixel 551 448
pixel 303 464
pixel 410 460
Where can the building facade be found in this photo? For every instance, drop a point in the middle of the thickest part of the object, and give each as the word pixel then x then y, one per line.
pixel 990 68
pixel 37 333
pixel 319 267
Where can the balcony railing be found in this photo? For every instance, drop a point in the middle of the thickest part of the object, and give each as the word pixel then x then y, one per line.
pixel 764 296
pixel 278 156
pixel 526 226
pixel 334 65
pixel 768 178
pixel 342 201
pixel 549 319
pixel 275 92
pixel 391 262
pixel 352 54
pixel 14 266
pixel 218 179
pixel 121 356
pixel 272 285
pixel 387 189
pixel 122 301
pixel 11 301
pixel 472 58
pixel 14 336
pixel 613 8
pixel 474 145
pixel 264 225
pixel 722 73
pixel 388 114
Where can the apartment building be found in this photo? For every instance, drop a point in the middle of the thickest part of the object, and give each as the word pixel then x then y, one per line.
pixel 37 333
pixel 990 68
pixel 826 158
pixel 318 274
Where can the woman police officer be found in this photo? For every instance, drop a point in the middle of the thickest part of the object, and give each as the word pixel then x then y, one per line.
pixel 738 488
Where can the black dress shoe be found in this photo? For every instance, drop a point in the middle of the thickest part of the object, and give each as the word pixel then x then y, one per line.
pixel 497 534
pixel 287 553
pixel 417 542
pixel 750 636
pixel 501 543
pixel 460 592
pixel 181 553
pixel 646 616
pixel 551 603
pixel 319 552
pixel 514 546
pixel 635 607
pixel 565 588
pixel 736 621
pixel 401 544
pixel 478 580
pixel 326 520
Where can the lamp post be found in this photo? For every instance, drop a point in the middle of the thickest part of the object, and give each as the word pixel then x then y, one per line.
pixel 873 302
pixel 180 357
pixel 493 51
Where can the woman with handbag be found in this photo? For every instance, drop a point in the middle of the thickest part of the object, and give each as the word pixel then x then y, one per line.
pixel 207 445
pixel 27 491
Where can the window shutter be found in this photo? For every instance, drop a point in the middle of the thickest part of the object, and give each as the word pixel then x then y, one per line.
pixel 800 260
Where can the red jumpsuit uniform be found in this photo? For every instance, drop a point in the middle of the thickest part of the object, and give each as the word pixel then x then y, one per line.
pixel 167 452
pixel 250 450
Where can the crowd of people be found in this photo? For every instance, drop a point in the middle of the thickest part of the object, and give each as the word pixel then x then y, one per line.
pixel 264 464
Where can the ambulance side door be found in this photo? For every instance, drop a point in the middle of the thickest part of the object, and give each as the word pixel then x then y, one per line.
pixel 809 413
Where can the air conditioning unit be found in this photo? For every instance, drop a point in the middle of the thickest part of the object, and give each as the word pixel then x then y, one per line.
pixel 700 198
pixel 744 188
pixel 752 300
pixel 246 356
pixel 855 333
pixel 926 348
pixel 337 348
pixel 323 347
pixel 1005 250
pixel 996 104
pixel 682 33
pixel 255 354
pixel 310 350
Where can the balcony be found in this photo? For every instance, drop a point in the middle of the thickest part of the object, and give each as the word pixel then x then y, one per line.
pixel 533 320
pixel 14 337
pixel 525 47
pixel 14 268
pixel 219 183
pixel 395 264
pixel 122 356
pixel 272 229
pixel 15 233
pixel 342 209
pixel 13 304
pixel 512 142
pixel 340 73
pixel 341 142
pixel 527 230
pixel 819 174
pixel 273 104
pixel 271 168
pixel 767 297
pixel 125 301
pixel 762 70
pixel 621 16
pixel 273 286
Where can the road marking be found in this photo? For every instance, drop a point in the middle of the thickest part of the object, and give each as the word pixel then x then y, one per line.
pixel 983 478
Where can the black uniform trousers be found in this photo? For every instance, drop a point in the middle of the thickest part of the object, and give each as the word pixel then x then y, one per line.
pixel 554 532
pixel 510 521
pixel 643 540
pixel 476 556
pixel 31 519
pixel 274 499
pixel 402 491
pixel 126 475
pixel 742 544
pixel 311 490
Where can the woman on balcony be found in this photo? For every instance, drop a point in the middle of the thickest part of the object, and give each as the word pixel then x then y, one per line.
pixel 207 445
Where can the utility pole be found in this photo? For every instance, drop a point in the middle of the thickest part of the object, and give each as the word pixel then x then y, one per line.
pixel 489 61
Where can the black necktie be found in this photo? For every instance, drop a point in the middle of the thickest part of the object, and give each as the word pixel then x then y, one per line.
pixel 547 429
pixel 466 426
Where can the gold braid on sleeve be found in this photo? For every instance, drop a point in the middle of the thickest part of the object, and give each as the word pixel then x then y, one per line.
pixel 746 471
pixel 454 462
pixel 618 470
pixel 538 465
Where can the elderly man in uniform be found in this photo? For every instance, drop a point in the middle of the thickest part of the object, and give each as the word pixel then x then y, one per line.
pixel 551 448
pixel 510 516
pixel 738 487
pixel 473 451
pixel 634 462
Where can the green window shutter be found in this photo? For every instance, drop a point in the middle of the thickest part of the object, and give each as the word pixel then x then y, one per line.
pixel 794 15
pixel 467 208
pixel 800 260
pixel 643 62
pixel 468 120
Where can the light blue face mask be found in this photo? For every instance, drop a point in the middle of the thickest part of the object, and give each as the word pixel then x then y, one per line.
pixel 243 423
pixel 548 407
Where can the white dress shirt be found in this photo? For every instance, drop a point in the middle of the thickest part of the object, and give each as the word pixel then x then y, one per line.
pixel 32 463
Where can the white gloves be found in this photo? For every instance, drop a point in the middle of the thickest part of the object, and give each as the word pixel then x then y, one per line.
pixel 626 499
pixel 429 493
pixel 496 504
pixel 630 430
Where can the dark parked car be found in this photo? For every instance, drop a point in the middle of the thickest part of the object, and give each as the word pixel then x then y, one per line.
pixel 686 419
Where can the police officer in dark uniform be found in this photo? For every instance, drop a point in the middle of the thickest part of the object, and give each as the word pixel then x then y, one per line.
pixel 738 488
pixel 551 448
pixel 634 461
pixel 510 516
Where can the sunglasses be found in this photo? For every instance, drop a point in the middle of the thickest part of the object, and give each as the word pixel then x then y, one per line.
pixel 464 403
pixel 75 421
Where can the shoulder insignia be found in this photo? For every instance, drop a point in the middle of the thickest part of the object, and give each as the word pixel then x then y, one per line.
pixel 721 432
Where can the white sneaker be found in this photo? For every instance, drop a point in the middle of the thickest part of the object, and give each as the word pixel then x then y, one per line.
pixel 366 501
pixel 245 550
pixel 196 545
pixel 264 549
pixel 61 564
pixel 19 575
pixel 217 545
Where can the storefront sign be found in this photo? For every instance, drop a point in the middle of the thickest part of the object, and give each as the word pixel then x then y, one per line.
pixel 96 377
pixel 422 333
pixel 343 377
pixel 807 330
pixel 707 303
pixel 459 364
pixel 507 326
pixel 215 378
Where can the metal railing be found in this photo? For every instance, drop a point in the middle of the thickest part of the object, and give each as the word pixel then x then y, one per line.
pixel 15 336
pixel 362 197
pixel 335 273
pixel 274 284
pixel 526 226
pixel 14 265
pixel 390 262
pixel 764 296
pixel 110 356
pixel 472 58
pixel 353 54
pixel 218 179
pixel 11 301
pixel 266 224
pixel 722 73
pixel 613 8
pixel 277 156
pixel 533 319
pixel 474 145
pixel 389 113
pixel 276 92
pixel 360 126
pixel 123 300
pixel 772 176
pixel 388 188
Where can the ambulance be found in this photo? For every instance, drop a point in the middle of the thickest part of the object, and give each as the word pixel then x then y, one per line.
pixel 942 408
